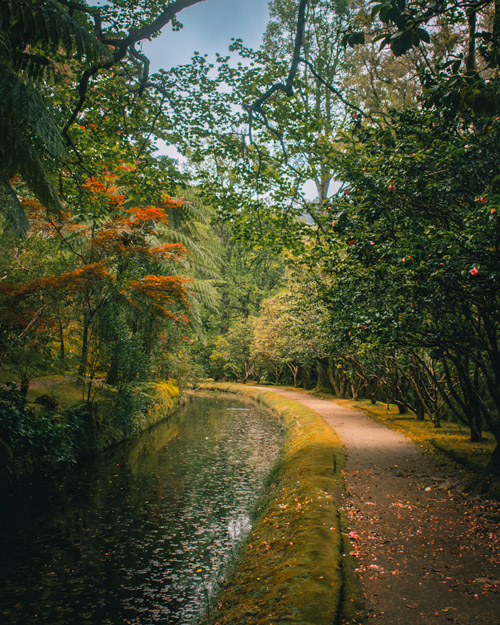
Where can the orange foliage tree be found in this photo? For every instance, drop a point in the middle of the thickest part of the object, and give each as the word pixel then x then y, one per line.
pixel 122 287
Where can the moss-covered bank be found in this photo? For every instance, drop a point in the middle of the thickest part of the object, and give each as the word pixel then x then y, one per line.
pixel 119 416
pixel 293 567
pixel 53 428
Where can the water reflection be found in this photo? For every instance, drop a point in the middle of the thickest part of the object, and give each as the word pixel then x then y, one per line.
pixel 146 534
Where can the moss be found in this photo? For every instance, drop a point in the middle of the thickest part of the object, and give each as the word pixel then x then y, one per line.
pixel 291 569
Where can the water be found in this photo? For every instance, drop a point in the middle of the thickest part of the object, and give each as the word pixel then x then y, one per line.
pixel 145 534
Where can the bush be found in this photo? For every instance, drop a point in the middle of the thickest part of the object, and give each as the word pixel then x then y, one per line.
pixel 30 437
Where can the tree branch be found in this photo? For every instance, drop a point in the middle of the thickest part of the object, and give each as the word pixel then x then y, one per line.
pixel 286 87
pixel 145 67
pixel 122 46
pixel 336 91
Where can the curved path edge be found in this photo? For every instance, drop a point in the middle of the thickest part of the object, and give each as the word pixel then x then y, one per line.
pixel 291 569
pixel 425 556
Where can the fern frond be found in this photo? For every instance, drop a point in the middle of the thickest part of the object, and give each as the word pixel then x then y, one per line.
pixel 32 170
pixel 206 293
pixel 200 259
pixel 29 138
pixel 51 26
pixel 12 208
pixel 23 110
pixel 34 66
pixel 185 216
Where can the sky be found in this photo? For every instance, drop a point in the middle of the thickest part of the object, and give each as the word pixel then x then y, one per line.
pixel 208 28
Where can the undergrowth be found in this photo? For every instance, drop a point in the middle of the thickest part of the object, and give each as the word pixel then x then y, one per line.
pixel 53 426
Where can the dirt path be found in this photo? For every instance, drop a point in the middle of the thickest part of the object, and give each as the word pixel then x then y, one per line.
pixel 425 555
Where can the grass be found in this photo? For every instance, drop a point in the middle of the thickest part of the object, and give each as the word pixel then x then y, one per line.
pixel 451 440
pixel 64 389
pixel 293 568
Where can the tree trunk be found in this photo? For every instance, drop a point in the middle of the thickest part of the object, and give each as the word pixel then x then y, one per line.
pixel 323 375
pixel 62 351
pixel 112 377
pixel 25 385
pixel 420 411
pixel 403 408
pixel 334 383
pixel 470 61
pixel 354 392
pixel 82 369
pixel 476 434
pixel 493 467
pixel 295 372
pixel 305 374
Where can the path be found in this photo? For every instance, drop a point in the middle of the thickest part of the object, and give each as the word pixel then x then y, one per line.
pixel 425 556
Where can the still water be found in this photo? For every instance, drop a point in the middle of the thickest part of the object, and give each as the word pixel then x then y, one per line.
pixel 146 533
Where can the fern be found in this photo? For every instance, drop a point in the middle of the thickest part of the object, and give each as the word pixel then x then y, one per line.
pixel 34 66
pixel 30 141
pixel 14 212
pixel 47 24
pixel 27 130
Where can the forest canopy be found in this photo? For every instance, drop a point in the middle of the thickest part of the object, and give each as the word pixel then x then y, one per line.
pixel 121 265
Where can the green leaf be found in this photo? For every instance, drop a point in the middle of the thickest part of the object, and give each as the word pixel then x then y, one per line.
pixel 424 35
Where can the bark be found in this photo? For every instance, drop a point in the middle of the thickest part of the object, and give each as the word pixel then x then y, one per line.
pixel 62 351
pixel 25 385
pixel 295 371
pixel 402 407
pixel 323 366
pixel 420 411
pixel 85 345
pixel 305 374
pixel 493 467
pixel 354 391
pixel 470 62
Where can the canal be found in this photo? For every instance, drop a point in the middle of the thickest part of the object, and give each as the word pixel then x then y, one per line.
pixel 144 534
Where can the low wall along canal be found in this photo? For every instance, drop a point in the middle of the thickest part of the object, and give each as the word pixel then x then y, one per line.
pixel 146 533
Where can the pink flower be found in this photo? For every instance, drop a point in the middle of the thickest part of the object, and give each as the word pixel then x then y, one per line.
pixel 474 271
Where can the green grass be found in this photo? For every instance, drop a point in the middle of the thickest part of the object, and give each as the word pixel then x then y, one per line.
pixel 452 439
pixel 293 568
pixel 64 389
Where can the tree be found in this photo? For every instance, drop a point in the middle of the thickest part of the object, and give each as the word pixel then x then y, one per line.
pixel 120 285
pixel 79 46
pixel 231 357
pixel 34 37
pixel 293 331
pixel 419 263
